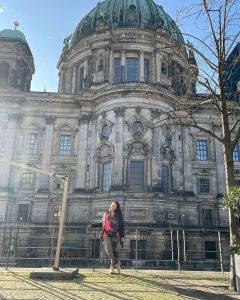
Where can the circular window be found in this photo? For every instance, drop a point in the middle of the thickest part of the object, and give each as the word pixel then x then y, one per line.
pixel 105 132
pixel 132 8
pixel 137 128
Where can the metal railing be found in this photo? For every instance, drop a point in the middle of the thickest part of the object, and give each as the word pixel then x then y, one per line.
pixel 24 245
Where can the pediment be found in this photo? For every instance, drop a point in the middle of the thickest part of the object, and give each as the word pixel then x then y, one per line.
pixel 65 127
pixel 32 126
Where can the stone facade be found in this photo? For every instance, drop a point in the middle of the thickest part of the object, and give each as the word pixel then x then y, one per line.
pixel 102 130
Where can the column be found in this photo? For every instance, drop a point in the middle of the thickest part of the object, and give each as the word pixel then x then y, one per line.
pixel 110 66
pixel 48 143
pixel 85 76
pixel 149 172
pixel 187 160
pixel 158 66
pixel 142 66
pixel 74 79
pixel 123 61
pixel 82 152
pixel 78 79
pixel 153 67
pixel 118 155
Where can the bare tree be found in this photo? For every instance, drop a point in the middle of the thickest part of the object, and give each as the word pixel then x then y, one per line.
pixel 214 59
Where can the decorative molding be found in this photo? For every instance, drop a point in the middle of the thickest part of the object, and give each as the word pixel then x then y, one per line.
pixel 50 119
pixel 119 111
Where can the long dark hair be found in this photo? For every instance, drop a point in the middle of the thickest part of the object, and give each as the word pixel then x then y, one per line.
pixel 118 210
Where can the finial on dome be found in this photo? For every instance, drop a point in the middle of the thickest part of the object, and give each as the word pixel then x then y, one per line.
pixel 16 24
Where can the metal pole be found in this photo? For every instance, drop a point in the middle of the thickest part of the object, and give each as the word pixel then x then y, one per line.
pixel 178 246
pixel 94 250
pixel 184 246
pixel 172 245
pixel 136 254
pixel 61 223
pixel 220 251
pixel 9 246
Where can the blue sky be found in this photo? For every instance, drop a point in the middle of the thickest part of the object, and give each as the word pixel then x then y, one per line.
pixel 46 23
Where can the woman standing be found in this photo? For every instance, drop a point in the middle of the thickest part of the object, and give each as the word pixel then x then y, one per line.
pixel 112 233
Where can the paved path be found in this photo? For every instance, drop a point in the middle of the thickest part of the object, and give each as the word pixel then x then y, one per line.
pixel 15 284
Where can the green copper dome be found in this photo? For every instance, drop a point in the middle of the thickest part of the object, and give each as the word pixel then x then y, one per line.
pixel 12 34
pixel 139 14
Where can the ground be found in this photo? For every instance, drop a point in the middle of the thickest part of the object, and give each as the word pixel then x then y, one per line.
pixel 15 284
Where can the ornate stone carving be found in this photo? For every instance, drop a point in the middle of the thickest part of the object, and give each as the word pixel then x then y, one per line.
pixel 155 113
pixel 138 110
pixel 105 150
pixel 50 119
pixel 137 148
pixel 168 153
pixel 85 119
pixel 119 111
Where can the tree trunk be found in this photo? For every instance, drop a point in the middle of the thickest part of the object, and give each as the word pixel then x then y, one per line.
pixel 230 181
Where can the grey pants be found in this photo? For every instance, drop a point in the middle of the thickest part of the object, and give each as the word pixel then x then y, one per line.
pixel 111 249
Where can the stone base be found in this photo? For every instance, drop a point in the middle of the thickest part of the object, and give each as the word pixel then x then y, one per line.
pixel 49 273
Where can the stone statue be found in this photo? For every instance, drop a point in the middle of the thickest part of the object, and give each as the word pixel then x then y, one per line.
pixel 66 42
pixel 102 16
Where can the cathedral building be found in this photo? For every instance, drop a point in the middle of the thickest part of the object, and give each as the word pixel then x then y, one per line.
pixel 121 70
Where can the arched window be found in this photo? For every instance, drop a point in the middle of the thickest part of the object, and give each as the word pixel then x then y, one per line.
pixel 4 74
pixel 105 132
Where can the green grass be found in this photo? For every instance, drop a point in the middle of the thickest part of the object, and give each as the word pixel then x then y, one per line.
pixel 95 285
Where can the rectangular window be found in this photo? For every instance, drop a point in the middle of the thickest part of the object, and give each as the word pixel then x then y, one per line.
pixel 23 212
pixel 237 182
pixel 117 70
pixel 236 153
pixel 210 250
pixel 81 78
pixel 146 70
pixel 202 153
pixel 164 68
pixel 207 217
pixel 132 69
pixel 137 250
pixel 106 176
pixel 165 179
pixel 65 146
pixel 137 175
pixel 204 185
pixel 32 143
pixel 57 210
pixel 27 181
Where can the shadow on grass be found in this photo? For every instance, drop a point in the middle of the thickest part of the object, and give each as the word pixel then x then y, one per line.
pixel 190 293
pixel 44 286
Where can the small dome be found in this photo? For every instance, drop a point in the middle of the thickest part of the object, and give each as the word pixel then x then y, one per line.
pixel 12 34
pixel 139 14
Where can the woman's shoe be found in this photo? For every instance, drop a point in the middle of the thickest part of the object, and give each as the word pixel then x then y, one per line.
pixel 118 266
pixel 112 269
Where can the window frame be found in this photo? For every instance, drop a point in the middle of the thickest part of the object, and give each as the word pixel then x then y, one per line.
pixel 210 254
pixel 200 186
pixel 206 221
pixel 131 69
pixel 27 185
pixel 132 184
pixel 19 219
pixel 202 154
pixel 236 154
pixel 27 145
pixel 68 145
pixel 117 70
pixel 106 177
